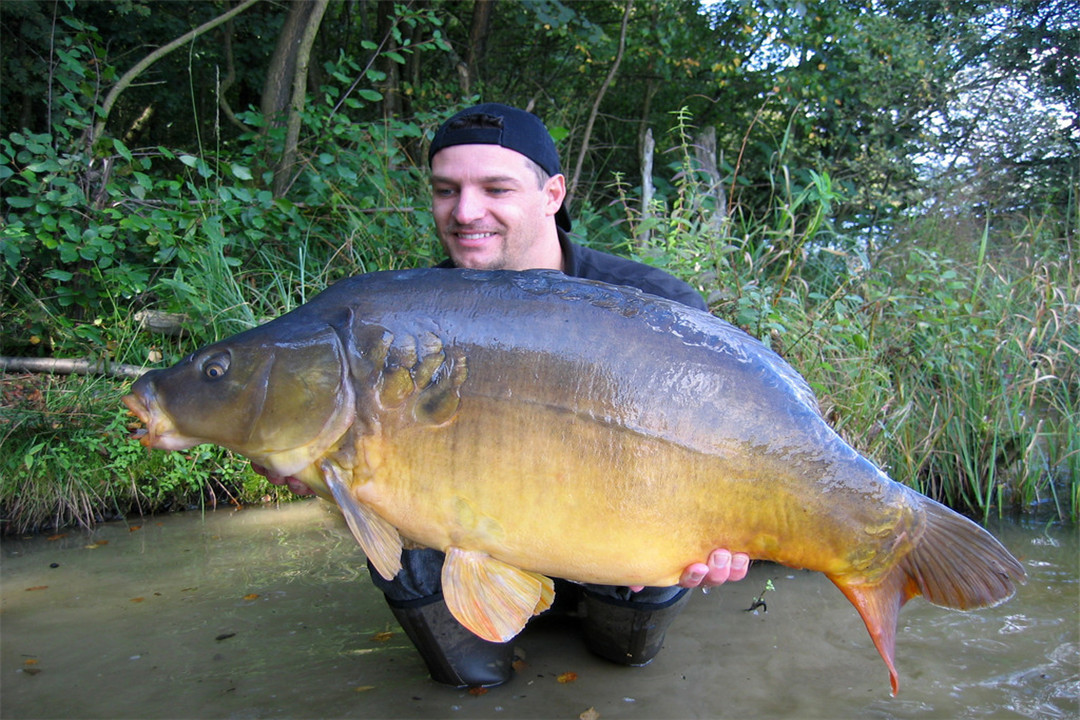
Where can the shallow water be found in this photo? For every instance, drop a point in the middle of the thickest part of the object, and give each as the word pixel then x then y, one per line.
pixel 269 612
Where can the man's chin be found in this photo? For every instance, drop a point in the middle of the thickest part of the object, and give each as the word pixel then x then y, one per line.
pixel 476 259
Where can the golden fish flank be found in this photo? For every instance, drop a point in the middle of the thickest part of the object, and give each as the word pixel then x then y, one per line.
pixel 532 425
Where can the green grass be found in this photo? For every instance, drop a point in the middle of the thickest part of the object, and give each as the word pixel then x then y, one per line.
pixel 67 459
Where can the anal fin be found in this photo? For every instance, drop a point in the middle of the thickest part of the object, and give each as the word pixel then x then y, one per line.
pixel 491 598
pixel 379 540
pixel 879 606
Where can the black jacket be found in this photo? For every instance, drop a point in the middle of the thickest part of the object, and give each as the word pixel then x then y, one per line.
pixel 592 264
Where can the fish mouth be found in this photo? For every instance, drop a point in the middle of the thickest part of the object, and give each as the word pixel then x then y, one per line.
pixel 160 432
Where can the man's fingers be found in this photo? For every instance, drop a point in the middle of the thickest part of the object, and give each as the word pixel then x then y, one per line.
pixel 693 575
pixel 740 563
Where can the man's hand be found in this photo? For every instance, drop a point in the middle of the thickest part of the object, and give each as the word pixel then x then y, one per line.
pixel 724 566
pixel 295 485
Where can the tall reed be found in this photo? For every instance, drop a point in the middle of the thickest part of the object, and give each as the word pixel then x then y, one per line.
pixel 952 363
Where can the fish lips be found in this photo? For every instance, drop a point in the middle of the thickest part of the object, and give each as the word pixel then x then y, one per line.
pixel 159 432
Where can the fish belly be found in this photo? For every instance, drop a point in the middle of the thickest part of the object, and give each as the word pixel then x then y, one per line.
pixel 545 489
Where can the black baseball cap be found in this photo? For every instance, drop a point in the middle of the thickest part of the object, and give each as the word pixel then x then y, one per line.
pixel 510 128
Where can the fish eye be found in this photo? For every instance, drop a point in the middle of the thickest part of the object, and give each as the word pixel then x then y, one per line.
pixel 215 366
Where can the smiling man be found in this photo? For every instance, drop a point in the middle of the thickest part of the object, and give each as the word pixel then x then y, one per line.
pixel 498 199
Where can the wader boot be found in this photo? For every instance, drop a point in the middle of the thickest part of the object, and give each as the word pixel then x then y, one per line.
pixel 453 655
pixel 627 632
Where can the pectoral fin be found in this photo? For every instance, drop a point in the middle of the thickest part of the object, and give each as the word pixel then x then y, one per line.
pixel 379 539
pixel 492 599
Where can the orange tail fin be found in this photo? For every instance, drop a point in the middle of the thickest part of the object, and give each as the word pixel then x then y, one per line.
pixel 956 564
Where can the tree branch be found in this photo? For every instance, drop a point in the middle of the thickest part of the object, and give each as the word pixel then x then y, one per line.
pixel 596 105
pixel 127 78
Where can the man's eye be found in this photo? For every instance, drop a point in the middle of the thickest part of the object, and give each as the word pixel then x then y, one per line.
pixel 442 192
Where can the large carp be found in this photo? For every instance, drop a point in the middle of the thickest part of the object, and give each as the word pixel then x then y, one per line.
pixel 533 425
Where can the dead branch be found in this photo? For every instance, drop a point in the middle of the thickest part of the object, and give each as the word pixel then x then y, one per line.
pixel 68 366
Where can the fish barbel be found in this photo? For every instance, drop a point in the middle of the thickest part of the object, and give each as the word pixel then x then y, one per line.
pixel 532 426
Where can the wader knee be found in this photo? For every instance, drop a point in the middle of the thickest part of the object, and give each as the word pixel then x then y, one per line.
pixel 626 632
pixel 453 655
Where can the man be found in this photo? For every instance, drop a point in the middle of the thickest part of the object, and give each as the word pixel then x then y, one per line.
pixel 497 198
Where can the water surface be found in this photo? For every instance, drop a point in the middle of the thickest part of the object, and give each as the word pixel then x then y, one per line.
pixel 269 612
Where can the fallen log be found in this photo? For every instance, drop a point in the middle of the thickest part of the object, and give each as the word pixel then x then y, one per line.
pixel 69 366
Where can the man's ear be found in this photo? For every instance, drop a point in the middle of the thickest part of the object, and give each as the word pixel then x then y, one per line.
pixel 555 189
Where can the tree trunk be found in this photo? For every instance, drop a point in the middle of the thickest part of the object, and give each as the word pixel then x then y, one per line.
pixel 385 20
pixel 705 151
pixel 283 173
pixel 481 23
pixel 648 147
pixel 67 366
pixel 281 73
pixel 230 77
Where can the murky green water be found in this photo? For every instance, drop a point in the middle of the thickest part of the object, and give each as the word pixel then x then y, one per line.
pixel 269 613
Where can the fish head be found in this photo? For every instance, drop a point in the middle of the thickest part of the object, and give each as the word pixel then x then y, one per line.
pixel 278 394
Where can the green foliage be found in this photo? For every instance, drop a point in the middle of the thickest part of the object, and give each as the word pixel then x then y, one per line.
pixel 941 346
pixel 953 366
pixel 68 459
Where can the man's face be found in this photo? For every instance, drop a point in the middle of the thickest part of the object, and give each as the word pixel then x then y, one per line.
pixel 491 212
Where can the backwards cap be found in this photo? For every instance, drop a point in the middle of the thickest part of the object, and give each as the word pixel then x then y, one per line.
pixel 510 128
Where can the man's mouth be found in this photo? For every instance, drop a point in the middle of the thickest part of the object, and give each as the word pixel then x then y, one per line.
pixel 474 237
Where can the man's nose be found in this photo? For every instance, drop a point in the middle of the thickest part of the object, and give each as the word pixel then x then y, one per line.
pixel 469 208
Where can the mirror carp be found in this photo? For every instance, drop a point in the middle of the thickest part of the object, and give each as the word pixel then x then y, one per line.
pixel 532 425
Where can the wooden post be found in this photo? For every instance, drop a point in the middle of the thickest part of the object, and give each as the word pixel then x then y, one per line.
pixel 648 146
